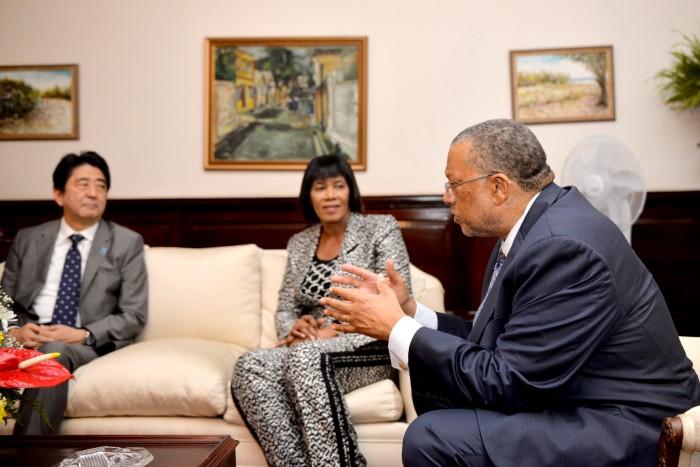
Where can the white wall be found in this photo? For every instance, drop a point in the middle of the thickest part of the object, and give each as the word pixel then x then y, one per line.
pixel 435 67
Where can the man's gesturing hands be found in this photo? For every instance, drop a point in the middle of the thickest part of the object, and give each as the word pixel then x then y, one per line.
pixel 373 306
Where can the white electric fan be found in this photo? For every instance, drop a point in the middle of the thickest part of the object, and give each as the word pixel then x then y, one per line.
pixel 610 176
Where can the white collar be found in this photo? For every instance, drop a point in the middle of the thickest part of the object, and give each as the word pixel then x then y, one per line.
pixel 508 242
pixel 66 231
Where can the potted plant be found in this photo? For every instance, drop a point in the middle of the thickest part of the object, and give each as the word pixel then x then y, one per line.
pixel 679 84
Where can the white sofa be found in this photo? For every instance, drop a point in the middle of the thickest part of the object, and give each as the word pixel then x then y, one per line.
pixel 679 443
pixel 207 306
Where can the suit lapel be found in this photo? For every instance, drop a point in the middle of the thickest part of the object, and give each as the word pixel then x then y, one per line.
pixel 100 247
pixel 43 249
pixel 548 195
pixel 308 251
pixel 350 238
pixel 489 302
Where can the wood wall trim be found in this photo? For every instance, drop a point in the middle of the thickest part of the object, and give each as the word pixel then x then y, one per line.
pixel 665 237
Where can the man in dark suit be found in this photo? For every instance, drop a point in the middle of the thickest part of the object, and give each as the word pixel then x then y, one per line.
pixel 109 306
pixel 572 358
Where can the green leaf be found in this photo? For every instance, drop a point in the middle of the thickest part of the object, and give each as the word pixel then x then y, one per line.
pixel 679 84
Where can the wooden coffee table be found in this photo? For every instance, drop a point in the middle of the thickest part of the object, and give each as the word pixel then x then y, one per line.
pixel 167 451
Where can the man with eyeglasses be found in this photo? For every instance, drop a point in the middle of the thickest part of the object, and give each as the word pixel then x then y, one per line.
pixel 572 358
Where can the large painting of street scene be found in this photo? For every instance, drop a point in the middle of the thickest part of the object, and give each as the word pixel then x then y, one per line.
pixel 273 104
pixel 39 102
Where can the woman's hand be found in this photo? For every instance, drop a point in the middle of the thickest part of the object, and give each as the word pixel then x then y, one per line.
pixel 307 328
pixel 323 333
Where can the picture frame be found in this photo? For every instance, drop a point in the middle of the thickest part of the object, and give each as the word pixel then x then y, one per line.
pixel 562 85
pixel 275 103
pixel 39 102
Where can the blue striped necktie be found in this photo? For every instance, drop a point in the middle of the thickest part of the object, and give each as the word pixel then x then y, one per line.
pixel 496 268
pixel 66 309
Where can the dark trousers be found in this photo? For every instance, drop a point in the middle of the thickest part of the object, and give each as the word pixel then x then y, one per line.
pixel 443 436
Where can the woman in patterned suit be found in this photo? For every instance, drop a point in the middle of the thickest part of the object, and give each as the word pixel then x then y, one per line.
pixel 291 396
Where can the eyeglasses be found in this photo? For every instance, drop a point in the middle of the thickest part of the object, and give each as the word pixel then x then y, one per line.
pixel 450 185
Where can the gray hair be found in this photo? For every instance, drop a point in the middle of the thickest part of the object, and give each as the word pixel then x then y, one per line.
pixel 509 147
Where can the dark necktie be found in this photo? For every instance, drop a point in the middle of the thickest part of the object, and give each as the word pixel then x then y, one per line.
pixel 496 267
pixel 66 309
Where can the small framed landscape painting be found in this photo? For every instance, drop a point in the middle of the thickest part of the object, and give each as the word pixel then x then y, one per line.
pixel 38 102
pixel 562 85
pixel 275 103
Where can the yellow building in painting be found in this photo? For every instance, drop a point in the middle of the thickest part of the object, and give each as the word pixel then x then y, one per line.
pixel 245 81
pixel 325 62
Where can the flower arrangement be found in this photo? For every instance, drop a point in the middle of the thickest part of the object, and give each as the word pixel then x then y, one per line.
pixel 22 368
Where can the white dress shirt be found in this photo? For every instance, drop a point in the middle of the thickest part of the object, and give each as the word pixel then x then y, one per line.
pixel 402 334
pixel 45 302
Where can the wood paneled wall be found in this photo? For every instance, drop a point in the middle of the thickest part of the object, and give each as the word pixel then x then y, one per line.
pixel 665 237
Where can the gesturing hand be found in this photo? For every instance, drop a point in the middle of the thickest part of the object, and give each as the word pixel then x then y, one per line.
pixel 367 283
pixel 373 315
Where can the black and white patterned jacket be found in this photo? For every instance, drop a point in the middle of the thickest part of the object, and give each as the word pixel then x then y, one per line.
pixel 369 241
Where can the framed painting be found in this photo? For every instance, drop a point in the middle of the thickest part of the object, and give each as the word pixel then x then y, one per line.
pixel 562 85
pixel 275 103
pixel 38 102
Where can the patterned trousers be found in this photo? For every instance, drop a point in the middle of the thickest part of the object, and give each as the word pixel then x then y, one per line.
pixel 292 398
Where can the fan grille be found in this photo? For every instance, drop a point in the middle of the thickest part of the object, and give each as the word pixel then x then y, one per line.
pixel 610 176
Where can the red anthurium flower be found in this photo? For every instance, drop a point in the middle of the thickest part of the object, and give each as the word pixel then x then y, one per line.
pixel 43 374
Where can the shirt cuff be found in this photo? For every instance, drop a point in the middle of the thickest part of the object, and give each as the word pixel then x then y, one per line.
pixel 400 340
pixel 426 316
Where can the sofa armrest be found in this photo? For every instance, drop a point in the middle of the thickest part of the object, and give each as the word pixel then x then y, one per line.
pixel 405 388
pixel 427 289
pixel 670 442
pixel 679 442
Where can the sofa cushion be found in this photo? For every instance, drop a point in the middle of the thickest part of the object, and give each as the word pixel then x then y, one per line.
pixel 272 266
pixel 173 377
pixel 211 293
pixel 691 345
pixel 427 289
pixel 377 402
